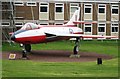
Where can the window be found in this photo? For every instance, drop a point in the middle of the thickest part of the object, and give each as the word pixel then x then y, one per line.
pixel 19 3
pixel 88 28
pixel 114 9
pixel 19 24
pixel 102 8
pixel 88 8
pixel 58 24
pixel 114 28
pixel 59 7
pixel 101 28
pixel 18 18
pixel 43 24
pixel 5 24
pixel 31 4
pixel 44 7
pixel 73 7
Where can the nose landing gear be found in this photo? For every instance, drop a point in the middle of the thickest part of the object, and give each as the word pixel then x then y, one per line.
pixel 26 49
pixel 76 49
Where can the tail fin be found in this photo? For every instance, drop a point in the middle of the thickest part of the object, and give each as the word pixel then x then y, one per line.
pixel 74 18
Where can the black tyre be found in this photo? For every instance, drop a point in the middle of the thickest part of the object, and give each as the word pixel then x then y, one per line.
pixel 28 47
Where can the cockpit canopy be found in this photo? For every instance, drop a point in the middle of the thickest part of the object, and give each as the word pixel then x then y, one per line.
pixel 29 26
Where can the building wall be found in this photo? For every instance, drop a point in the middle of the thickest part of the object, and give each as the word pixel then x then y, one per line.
pixel 23 14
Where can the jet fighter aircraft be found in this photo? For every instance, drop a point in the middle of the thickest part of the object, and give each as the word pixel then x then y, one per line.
pixel 32 33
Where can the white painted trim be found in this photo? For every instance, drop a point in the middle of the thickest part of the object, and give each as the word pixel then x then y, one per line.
pixel 58 24
pixel 91 14
pixel 101 26
pixel 71 6
pixel 21 3
pixel 43 24
pixel 102 13
pixel 44 6
pixel 7 23
pixel 114 7
pixel 86 25
pixel 59 13
pixel 114 26
pixel 35 3
pixel 59 6
pixel 18 25
pixel 90 6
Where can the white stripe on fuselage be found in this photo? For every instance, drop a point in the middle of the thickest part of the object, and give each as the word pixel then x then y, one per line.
pixel 52 30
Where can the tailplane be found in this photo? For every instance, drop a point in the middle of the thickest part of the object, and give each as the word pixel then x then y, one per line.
pixel 74 18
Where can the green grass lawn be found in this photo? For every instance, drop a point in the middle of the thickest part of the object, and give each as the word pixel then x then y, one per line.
pixel 27 68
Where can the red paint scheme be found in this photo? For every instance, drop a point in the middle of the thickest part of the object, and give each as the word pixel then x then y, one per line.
pixel 40 39
pixel 31 40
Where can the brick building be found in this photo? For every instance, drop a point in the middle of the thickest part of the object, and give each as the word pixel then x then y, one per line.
pixel 105 12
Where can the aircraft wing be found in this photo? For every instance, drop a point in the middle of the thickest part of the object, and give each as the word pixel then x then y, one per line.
pixel 86 36
pixel 82 36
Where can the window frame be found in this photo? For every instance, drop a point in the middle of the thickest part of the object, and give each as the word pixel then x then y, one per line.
pixel 99 6
pixel 75 6
pixel 112 25
pixel 58 23
pixel 18 25
pixel 5 25
pixel 56 5
pixel 22 3
pixel 27 3
pixel 102 26
pixel 88 6
pixel 44 6
pixel 87 25
pixel 114 7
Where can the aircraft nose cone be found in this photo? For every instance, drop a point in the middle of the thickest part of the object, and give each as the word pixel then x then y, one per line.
pixel 13 37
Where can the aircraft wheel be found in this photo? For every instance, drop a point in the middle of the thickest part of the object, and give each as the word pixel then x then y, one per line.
pixel 28 47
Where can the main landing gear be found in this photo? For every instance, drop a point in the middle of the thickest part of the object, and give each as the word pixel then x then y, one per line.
pixel 25 50
pixel 76 49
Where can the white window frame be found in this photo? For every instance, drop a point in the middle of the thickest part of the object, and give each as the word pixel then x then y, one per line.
pixel 86 25
pixel 21 3
pixel 112 25
pixel 101 26
pixel 19 25
pixel 102 7
pixel 59 6
pixel 6 24
pixel 88 6
pixel 115 7
pixel 18 17
pixel 58 23
pixel 73 5
pixel 35 3
pixel 44 6
pixel 43 24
